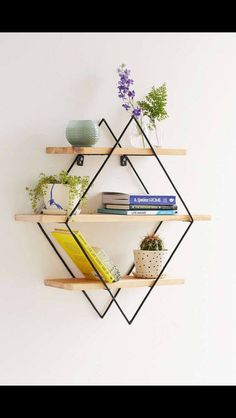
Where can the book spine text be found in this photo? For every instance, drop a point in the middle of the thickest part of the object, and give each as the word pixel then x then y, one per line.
pixel 152 200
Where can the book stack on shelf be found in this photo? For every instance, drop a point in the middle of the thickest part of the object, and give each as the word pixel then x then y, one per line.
pixel 137 204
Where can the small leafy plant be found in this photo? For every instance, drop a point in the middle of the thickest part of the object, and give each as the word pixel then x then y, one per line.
pixel 72 182
pixel 153 105
pixel 152 242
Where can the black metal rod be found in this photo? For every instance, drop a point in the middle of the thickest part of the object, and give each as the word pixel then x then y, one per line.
pixel 146 190
pixel 130 163
pixel 98 172
pixel 95 269
pixel 72 165
pixel 116 141
pixel 163 168
pixel 162 270
pixel 128 273
pixel 67 267
pixel 56 251
pixel 137 175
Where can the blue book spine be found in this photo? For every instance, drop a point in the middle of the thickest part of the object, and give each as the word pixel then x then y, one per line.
pixel 152 200
pixel 138 212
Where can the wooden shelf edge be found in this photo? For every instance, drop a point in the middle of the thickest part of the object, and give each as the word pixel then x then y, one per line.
pixel 117 151
pixel 125 283
pixel 41 218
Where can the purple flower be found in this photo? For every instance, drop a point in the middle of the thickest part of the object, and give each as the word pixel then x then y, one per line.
pixel 126 106
pixel 136 112
pixel 131 94
pixel 127 72
pixel 125 93
pixel 125 89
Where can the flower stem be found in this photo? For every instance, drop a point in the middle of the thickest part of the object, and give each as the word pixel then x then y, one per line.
pixel 141 123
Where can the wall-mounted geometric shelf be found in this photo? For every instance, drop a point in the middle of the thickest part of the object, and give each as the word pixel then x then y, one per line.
pixel 128 281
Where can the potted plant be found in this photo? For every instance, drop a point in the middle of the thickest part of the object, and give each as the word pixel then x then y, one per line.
pixel 149 259
pixel 152 107
pixel 57 193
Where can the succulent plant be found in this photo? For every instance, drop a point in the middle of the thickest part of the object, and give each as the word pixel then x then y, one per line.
pixel 152 243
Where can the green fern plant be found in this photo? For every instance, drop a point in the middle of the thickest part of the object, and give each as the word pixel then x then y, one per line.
pixel 153 105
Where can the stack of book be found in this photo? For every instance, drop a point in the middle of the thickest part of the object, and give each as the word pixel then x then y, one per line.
pixel 137 204
pixel 98 256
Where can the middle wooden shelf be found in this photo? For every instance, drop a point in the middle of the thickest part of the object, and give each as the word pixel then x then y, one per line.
pixel 96 217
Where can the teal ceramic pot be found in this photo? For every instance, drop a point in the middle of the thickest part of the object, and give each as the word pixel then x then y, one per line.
pixel 82 133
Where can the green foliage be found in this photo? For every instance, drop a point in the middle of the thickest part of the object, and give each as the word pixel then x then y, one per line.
pixel 72 182
pixel 152 243
pixel 153 105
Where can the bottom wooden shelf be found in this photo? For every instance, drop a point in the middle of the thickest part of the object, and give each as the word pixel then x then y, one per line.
pixel 125 282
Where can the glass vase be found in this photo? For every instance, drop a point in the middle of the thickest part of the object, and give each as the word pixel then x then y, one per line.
pixel 136 136
pixel 158 132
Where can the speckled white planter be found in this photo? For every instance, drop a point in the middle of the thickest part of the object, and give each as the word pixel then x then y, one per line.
pixel 149 263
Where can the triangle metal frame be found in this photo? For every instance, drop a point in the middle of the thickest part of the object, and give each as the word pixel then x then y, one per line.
pixel 113 297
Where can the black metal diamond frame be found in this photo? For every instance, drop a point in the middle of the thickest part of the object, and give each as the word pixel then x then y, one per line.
pixel 79 160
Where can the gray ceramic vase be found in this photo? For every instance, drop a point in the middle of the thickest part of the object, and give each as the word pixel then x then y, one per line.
pixel 82 133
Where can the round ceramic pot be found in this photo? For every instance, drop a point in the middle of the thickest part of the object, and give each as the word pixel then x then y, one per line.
pixel 82 133
pixel 56 199
pixel 149 263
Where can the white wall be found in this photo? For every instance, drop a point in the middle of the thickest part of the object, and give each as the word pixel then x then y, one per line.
pixel 183 334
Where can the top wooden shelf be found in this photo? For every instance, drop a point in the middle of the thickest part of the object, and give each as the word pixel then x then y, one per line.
pixel 117 151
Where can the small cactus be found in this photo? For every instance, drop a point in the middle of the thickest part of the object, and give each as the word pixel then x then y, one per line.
pixel 152 243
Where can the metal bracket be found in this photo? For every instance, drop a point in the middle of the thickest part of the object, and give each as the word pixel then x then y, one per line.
pixel 80 160
pixel 123 160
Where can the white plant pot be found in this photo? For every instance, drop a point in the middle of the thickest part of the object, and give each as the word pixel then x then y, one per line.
pixel 56 199
pixel 148 264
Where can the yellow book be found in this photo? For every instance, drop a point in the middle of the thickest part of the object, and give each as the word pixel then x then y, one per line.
pixel 99 258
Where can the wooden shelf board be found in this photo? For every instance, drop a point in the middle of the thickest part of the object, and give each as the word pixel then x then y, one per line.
pixel 41 218
pixel 125 282
pixel 117 151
